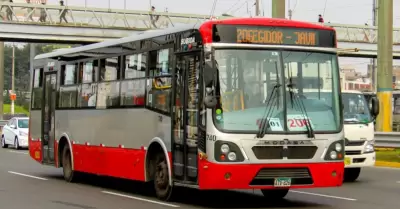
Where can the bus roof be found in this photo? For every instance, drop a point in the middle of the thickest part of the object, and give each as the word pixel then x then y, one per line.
pixel 183 27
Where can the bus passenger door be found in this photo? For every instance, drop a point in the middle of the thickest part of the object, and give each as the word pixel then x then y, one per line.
pixel 184 116
pixel 48 110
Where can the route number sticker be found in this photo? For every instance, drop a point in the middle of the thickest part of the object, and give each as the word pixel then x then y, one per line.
pixel 298 123
pixel 274 124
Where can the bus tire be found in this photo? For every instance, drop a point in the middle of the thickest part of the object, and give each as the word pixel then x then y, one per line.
pixel 351 174
pixel 69 174
pixel 161 178
pixel 275 194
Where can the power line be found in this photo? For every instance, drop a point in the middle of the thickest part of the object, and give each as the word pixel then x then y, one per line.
pixel 326 1
pixel 237 2
pixel 240 6
pixel 213 8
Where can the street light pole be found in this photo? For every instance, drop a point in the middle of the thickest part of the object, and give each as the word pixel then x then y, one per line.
pixel 12 78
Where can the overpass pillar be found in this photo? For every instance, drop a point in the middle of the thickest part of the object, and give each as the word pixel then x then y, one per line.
pixel 385 65
pixel 1 79
pixel 278 9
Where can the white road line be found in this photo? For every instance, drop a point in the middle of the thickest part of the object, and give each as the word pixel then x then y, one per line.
pixel 323 195
pixel 26 175
pixel 18 152
pixel 142 199
pixel 398 182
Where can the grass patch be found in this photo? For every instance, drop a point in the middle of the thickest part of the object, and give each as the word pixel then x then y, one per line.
pixel 17 109
pixel 388 156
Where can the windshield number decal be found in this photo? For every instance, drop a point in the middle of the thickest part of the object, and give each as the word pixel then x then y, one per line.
pixel 298 122
pixel 274 124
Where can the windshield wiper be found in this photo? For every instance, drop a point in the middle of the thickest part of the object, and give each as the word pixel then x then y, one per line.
pixel 294 99
pixel 264 123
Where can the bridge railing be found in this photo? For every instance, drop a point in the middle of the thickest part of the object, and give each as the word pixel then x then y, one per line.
pixel 93 17
pixel 143 20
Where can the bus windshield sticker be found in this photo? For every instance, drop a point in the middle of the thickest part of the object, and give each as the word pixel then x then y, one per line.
pixel 274 124
pixel 298 122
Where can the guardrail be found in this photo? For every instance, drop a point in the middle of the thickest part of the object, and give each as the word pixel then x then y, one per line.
pixel 387 139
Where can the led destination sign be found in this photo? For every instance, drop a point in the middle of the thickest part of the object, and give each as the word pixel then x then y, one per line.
pixel 276 36
pixel 273 35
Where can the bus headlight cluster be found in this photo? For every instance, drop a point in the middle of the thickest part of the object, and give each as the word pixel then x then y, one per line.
pixel 335 151
pixel 227 152
pixel 369 147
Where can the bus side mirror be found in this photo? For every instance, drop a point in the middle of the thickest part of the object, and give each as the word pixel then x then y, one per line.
pixel 374 106
pixel 209 75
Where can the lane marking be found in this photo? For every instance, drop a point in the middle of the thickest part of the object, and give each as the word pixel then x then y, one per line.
pixel 384 168
pixel 18 152
pixel 26 175
pixel 324 195
pixel 398 182
pixel 141 199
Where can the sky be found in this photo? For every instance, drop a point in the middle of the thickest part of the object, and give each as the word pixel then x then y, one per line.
pixel 356 12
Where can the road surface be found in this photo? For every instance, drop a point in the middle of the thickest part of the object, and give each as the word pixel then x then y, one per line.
pixel 27 184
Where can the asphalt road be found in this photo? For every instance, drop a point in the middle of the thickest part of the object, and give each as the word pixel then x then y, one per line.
pixel 27 184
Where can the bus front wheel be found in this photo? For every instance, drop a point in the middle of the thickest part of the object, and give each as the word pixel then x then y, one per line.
pixel 275 194
pixel 351 174
pixel 161 178
pixel 69 174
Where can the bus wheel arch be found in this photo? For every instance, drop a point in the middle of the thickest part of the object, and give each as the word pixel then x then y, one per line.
pixel 64 141
pixel 158 169
pixel 156 146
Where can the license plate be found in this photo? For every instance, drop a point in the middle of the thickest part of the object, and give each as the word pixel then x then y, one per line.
pixel 347 161
pixel 282 182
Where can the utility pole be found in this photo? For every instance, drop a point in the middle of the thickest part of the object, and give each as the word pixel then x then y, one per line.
pixel 257 7
pixel 278 9
pixel 13 79
pixel 1 78
pixel 385 65
pixel 373 68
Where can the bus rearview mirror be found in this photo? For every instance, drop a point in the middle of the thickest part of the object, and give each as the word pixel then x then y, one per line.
pixel 208 74
pixel 374 106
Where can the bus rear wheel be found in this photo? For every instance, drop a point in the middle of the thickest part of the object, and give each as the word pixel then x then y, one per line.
pixel 69 174
pixel 161 178
pixel 275 194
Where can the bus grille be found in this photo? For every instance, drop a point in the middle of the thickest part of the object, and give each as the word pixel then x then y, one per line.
pixel 355 143
pixel 353 152
pixel 266 176
pixel 277 152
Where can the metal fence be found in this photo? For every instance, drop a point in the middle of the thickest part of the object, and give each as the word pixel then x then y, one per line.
pixel 387 139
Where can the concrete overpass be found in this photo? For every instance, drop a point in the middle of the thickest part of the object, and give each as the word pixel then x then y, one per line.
pixel 98 24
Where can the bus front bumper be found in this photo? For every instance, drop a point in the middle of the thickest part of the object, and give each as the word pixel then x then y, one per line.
pixel 268 176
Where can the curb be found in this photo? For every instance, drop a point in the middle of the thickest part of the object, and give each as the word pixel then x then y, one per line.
pixel 384 149
pixel 387 164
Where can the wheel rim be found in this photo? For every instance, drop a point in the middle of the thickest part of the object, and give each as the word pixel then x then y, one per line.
pixel 3 143
pixel 16 144
pixel 161 177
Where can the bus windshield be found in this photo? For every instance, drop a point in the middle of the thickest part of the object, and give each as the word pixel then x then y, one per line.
pixel 257 85
pixel 355 107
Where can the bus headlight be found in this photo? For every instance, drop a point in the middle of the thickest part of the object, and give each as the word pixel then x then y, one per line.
pixel 369 147
pixel 333 155
pixel 225 151
pixel 232 156
pixel 335 151
pixel 225 148
pixel 338 147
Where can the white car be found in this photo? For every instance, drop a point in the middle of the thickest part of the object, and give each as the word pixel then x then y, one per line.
pixel 15 133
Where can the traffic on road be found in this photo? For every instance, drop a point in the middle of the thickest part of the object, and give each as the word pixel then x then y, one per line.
pixel 25 184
